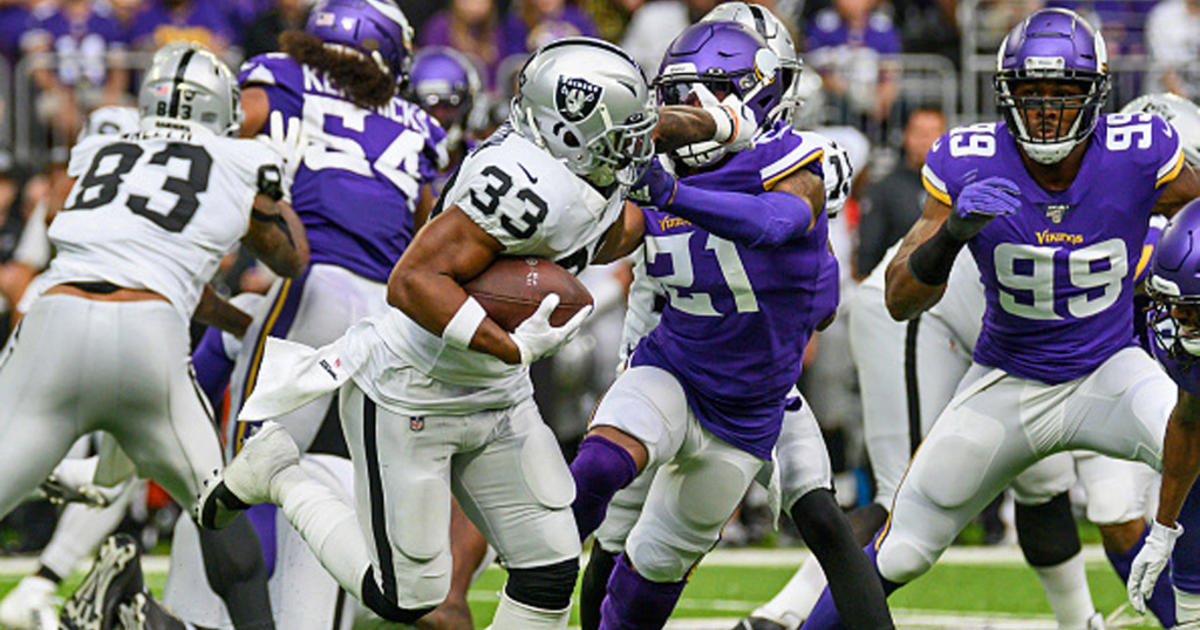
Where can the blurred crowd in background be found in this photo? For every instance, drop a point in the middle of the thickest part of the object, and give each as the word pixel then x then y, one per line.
pixel 884 78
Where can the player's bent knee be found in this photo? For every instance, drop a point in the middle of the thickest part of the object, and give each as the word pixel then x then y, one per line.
pixel 547 587
pixel 387 608
pixel 955 475
pixel 819 519
pixel 901 562
pixel 1047 532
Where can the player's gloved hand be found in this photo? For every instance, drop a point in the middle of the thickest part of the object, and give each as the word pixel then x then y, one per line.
pixel 979 203
pixel 736 124
pixel 1149 562
pixel 536 338
pixel 287 138
pixel 656 187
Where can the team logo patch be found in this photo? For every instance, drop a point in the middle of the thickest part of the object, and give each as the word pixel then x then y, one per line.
pixel 416 423
pixel 576 98
pixel 1056 211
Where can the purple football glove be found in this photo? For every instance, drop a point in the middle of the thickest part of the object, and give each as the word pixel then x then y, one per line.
pixel 979 203
pixel 655 188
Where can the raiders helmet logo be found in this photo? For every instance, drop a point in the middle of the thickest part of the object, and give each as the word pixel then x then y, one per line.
pixel 576 98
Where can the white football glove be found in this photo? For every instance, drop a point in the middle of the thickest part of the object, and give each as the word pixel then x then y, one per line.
pixel 736 126
pixel 536 338
pixel 288 139
pixel 1150 561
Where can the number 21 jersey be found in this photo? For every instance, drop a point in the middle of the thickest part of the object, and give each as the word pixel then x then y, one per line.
pixel 156 210
pixel 1058 274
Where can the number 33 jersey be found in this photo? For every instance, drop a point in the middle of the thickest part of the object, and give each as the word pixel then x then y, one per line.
pixel 156 211
pixel 1058 274
pixel 358 173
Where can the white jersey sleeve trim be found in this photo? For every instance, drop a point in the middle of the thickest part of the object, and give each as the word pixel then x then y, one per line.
pixel 1171 169
pixel 935 186
pixel 788 164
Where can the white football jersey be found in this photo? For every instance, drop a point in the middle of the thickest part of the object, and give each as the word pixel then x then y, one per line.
pixel 534 206
pixel 156 210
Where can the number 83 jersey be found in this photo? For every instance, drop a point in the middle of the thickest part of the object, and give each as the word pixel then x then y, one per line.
pixel 156 211
pixel 1058 274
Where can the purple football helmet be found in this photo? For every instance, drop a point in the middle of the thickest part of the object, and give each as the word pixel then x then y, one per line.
pixel 445 83
pixel 1174 281
pixel 376 28
pixel 1051 45
pixel 726 58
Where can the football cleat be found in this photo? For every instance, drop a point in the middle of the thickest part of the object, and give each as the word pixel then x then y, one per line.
pixel 758 623
pixel 246 481
pixel 143 613
pixel 30 606
pixel 115 576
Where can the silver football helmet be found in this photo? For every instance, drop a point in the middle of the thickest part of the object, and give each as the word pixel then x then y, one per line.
pixel 587 103
pixel 761 20
pixel 1183 115
pixel 188 87
pixel 109 120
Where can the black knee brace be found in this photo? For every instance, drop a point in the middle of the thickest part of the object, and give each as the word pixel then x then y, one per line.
pixel 594 586
pixel 547 588
pixel 1047 532
pixel 374 599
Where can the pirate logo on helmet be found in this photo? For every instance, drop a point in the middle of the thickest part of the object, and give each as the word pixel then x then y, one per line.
pixel 576 98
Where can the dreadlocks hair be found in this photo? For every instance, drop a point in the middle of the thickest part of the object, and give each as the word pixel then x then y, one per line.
pixel 358 77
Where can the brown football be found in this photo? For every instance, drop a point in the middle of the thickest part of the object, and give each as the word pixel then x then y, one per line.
pixel 511 289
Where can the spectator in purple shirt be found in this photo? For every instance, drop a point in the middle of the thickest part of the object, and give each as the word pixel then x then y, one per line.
pixel 87 71
pixel 164 21
pixel 855 47
pixel 472 27
pixel 539 22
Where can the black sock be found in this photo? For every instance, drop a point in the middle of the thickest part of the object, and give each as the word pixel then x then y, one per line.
pixel 855 586
pixel 593 587
pixel 45 572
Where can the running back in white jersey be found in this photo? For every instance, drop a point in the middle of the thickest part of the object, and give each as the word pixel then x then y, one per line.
pixel 156 210
pixel 534 206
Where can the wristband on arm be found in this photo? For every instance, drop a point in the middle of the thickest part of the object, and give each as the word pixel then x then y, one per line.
pixel 461 328
pixel 931 261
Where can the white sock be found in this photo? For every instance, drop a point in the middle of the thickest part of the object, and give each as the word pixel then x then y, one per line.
pixel 326 521
pixel 1067 591
pixel 511 615
pixel 79 533
pixel 797 598
pixel 1187 609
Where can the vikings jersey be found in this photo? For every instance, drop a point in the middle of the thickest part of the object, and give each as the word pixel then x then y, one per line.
pixel 156 210
pixel 357 182
pixel 737 319
pixel 1058 273
pixel 534 206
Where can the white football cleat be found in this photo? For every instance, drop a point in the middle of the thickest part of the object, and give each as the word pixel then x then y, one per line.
pixel 31 605
pixel 246 481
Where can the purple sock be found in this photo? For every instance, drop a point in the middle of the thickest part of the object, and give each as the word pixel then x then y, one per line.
pixel 600 469
pixel 1162 602
pixel 824 615
pixel 635 603
pixel 262 517
pixel 212 366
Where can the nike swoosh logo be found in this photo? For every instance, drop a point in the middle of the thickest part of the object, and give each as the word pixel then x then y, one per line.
pixel 531 177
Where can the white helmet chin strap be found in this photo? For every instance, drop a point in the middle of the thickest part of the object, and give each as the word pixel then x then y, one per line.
pixel 1051 153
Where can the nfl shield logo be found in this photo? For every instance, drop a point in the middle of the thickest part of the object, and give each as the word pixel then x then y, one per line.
pixel 576 98
pixel 1055 212
pixel 416 423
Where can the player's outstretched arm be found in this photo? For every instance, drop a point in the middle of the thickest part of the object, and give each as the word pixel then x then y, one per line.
pixel 727 122
pixel 1184 188
pixel 1181 464
pixel 623 237
pixel 277 237
pixel 906 296
pixel 214 310
pixel 426 284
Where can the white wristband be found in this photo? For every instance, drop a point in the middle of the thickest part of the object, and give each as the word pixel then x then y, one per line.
pixel 725 122
pixel 461 328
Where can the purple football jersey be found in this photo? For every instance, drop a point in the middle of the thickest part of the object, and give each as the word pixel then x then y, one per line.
pixel 357 187
pixel 1058 274
pixel 738 319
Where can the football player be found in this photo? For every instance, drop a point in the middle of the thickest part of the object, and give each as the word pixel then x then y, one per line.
pixel 446 84
pixel 1172 323
pixel 438 391
pixel 682 419
pixel 143 228
pixel 1054 203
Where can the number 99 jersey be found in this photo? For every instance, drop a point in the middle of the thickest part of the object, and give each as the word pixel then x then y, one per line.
pixel 156 211
pixel 1058 274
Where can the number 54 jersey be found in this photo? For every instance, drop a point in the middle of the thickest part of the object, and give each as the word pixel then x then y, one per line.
pixel 1058 274
pixel 156 210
